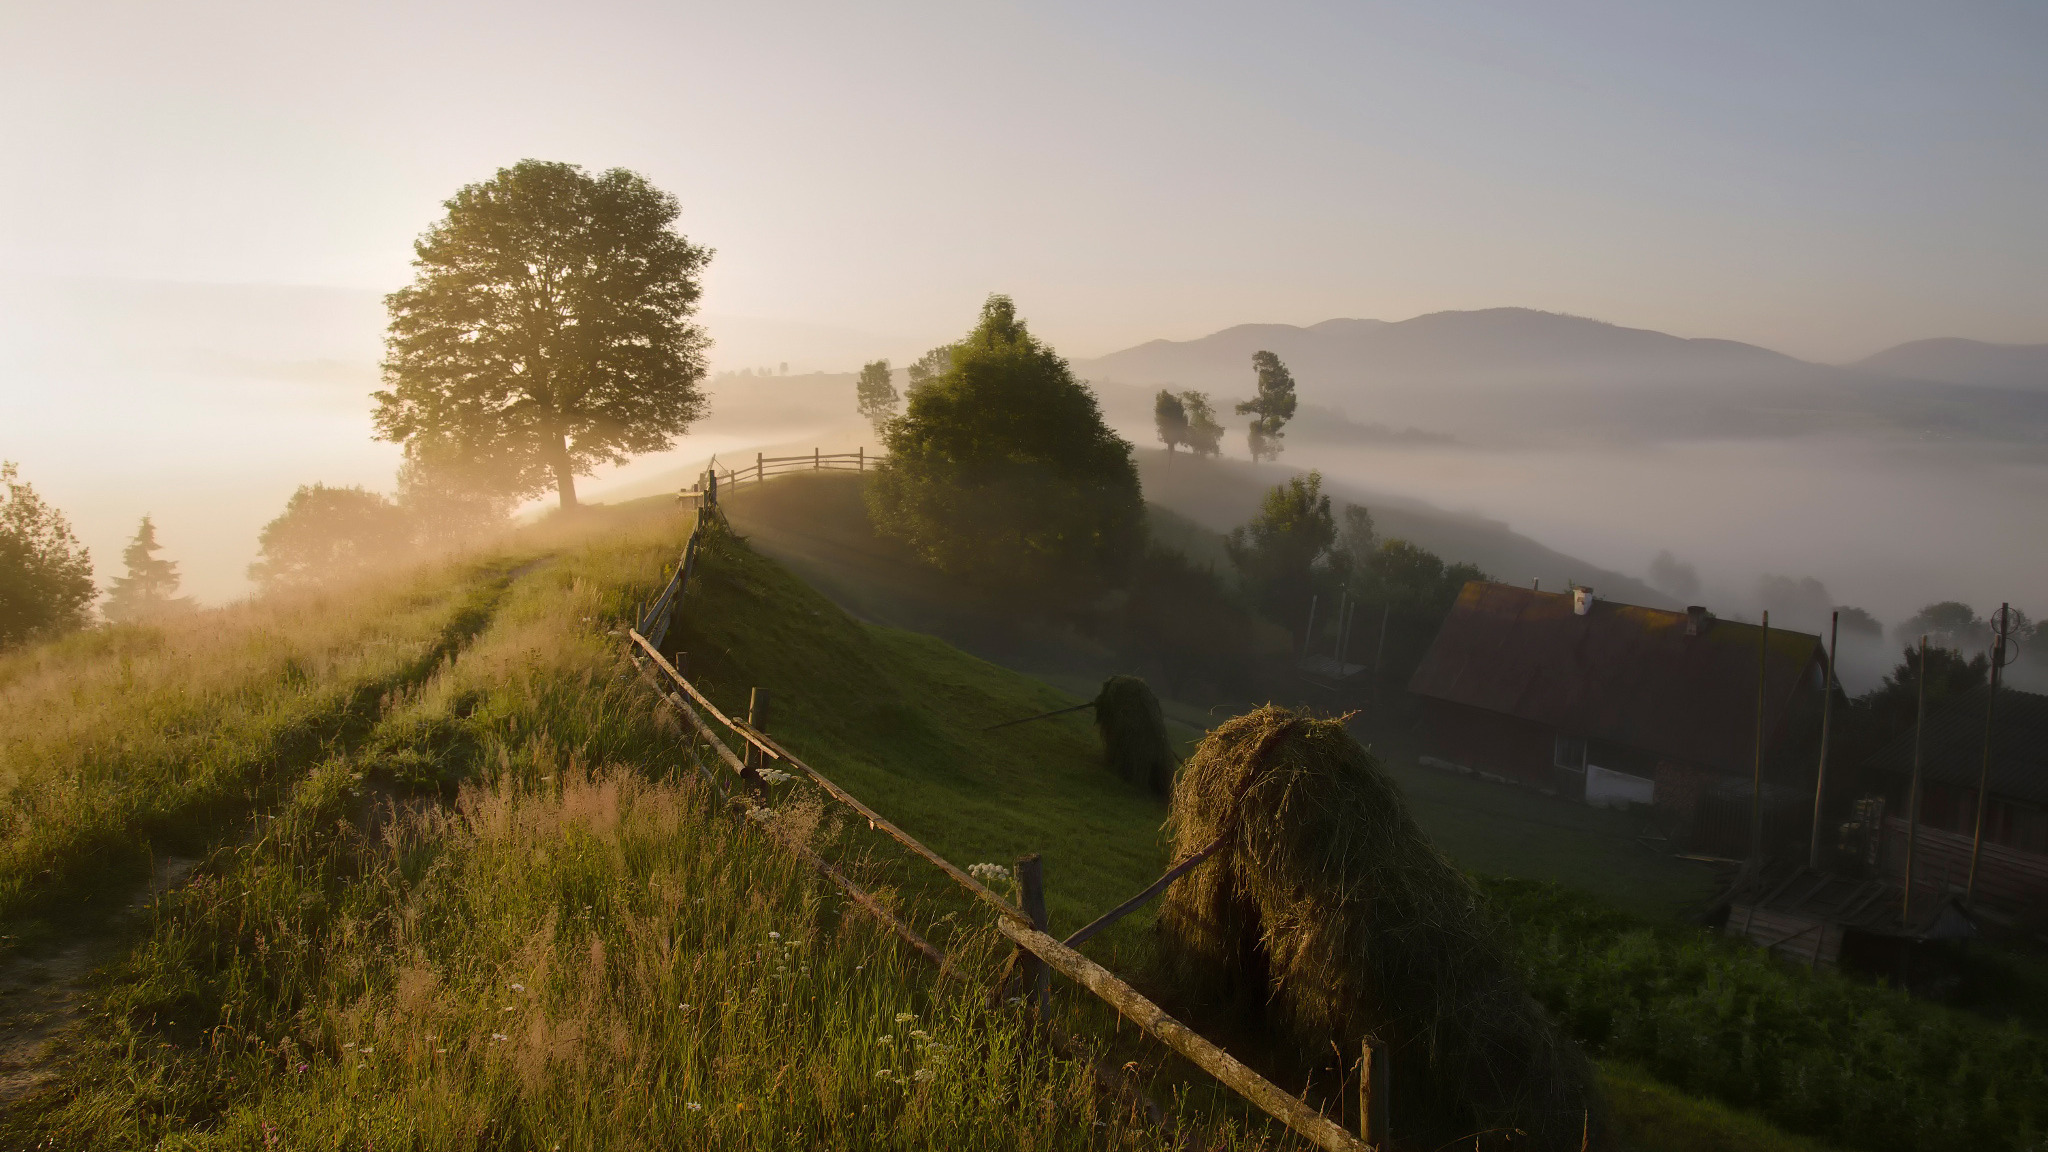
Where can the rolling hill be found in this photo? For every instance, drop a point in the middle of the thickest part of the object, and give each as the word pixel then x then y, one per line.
pixel 1514 374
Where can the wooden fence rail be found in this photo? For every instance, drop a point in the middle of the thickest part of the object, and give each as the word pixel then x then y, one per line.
pixel 1012 921
pixel 729 476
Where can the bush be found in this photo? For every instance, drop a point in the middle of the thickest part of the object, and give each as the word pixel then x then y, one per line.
pixel 1860 1065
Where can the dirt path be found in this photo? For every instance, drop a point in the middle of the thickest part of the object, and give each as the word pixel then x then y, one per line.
pixel 42 990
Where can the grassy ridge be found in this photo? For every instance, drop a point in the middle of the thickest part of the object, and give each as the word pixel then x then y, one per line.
pixel 581 952
pixel 160 736
pixel 365 911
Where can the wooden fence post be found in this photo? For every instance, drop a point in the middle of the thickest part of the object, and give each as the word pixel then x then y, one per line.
pixel 817 462
pixel 860 459
pixel 1037 975
pixel 757 719
pixel 1373 1097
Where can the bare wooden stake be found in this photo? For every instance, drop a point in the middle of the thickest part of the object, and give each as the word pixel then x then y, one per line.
pixel 1373 1097
pixel 1037 977
pixel 757 719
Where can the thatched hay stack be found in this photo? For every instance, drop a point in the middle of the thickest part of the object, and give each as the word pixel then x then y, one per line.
pixel 1134 740
pixel 1329 917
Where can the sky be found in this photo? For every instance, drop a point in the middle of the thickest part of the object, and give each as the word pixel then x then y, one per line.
pixel 204 202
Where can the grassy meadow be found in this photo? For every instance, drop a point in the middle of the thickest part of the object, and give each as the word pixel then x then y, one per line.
pixel 460 884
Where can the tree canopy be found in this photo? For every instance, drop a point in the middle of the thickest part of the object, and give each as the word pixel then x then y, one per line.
pixel 547 328
pixel 329 533
pixel 1276 552
pixel 1271 408
pixel 1001 469
pixel 875 395
pixel 151 586
pixel 1204 434
pixel 1170 417
pixel 45 574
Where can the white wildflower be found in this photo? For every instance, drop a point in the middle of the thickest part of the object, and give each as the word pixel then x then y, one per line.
pixel 882 1073
pixel 694 1106
pixel 925 1076
pixel 885 1041
pixel 776 776
pixel 988 873
pixel 369 1051
pixel 905 1017
pixel 920 1034
pixel 497 1037
pixel 519 987
pixel 775 935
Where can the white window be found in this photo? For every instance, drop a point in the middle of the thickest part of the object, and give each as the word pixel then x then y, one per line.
pixel 1569 753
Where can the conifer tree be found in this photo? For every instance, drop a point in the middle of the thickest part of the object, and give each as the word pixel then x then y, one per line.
pixel 151 586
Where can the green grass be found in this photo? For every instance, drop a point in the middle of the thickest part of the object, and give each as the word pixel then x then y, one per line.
pixel 519 813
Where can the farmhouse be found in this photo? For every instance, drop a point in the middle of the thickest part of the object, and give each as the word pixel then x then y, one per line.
pixel 1622 704
pixel 2012 868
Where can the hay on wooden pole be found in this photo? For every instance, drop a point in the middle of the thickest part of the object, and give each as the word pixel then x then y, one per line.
pixel 1134 740
pixel 1329 917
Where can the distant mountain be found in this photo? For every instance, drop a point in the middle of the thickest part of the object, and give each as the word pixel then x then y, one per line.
pixel 1519 374
pixel 1974 362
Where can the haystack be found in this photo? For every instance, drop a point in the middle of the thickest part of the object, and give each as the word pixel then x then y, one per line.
pixel 1134 740
pixel 1328 917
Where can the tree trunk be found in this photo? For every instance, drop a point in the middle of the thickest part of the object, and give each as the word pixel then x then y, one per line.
pixel 565 476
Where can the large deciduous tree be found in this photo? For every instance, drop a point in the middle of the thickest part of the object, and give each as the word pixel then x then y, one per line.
pixel 547 329
pixel 1002 470
pixel 45 575
pixel 1271 408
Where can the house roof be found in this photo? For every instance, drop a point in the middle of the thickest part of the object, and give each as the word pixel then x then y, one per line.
pixel 1954 748
pixel 1620 673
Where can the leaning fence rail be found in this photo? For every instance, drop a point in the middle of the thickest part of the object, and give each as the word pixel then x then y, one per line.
pixel 1014 922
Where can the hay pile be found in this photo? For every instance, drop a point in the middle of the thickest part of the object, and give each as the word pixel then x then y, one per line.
pixel 1329 917
pixel 1134 740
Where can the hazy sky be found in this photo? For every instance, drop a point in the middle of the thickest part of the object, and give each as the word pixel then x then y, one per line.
pixel 202 202
pixel 1826 179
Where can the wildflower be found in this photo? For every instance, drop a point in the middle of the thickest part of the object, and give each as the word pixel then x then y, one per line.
pixel 519 987
pixel 440 1051
pixel 882 1073
pixel 776 776
pixel 924 1076
pixel 694 1106
pixel 775 935
pixel 369 1051
pixel 349 1047
pixel 988 873
pixel 905 1017
pixel 920 1034
pixel 497 1036
pixel 885 1041
pixel 303 1067
pixel 684 1007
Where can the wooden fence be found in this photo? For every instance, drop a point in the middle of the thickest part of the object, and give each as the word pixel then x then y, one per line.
pixel 1026 926
pixel 718 474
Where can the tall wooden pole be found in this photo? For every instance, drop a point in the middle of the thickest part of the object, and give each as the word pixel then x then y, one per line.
pixel 1913 790
pixel 1379 654
pixel 1756 790
pixel 1309 636
pixel 1984 769
pixel 1827 714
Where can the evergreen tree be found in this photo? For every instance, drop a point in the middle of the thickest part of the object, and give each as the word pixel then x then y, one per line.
pixel 151 586
pixel 876 395
pixel 1271 409
pixel 1170 416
